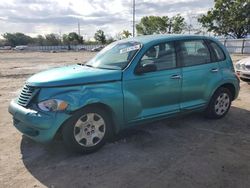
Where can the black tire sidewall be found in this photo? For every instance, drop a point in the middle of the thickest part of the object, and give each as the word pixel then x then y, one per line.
pixel 210 111
pixel 68 131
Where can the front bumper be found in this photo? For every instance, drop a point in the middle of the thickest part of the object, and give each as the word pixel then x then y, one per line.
pixel 244 75
pixel 39 126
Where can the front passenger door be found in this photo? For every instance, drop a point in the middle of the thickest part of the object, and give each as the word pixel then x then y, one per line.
pixel 157 93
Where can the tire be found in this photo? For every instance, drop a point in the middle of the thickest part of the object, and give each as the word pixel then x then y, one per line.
pixel 219 104
pixel 87 130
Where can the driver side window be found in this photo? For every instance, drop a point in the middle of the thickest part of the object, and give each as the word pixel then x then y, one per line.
pixel 162 55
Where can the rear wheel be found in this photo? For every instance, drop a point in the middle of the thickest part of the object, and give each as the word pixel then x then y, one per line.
pixel 219 104
pixel 87 130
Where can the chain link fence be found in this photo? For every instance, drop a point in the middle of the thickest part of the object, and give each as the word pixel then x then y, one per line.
pixel 63 48
pixel 234 46
pixel 237 46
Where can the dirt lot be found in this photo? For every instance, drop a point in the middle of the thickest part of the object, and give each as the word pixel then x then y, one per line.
pixel 187 151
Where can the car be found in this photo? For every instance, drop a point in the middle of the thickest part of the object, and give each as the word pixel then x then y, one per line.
pixel 5 48
pixel 97 49
pixel 243 69
pixel 130 82
pixel 82 49
pixel 21 47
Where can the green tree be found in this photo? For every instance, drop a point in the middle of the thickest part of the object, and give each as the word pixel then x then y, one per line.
pixel 39 40
pixel 152 25
pixel 126 34
pixel 159 25
pixel 123 35
pixel 228 18
pixel 65 39
pixel 74 38
pixel 2 42
pixel 100 36
pixel 52 39
pixel 176 24
pixel 14 39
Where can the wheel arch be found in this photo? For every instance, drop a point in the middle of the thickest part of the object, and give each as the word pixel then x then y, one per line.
pixel 99 105
pixel 229 86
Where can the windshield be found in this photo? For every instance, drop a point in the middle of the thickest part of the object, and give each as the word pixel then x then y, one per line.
pixel 115 56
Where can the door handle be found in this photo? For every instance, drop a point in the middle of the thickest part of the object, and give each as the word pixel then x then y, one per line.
pixel 176 76
pixel 214 70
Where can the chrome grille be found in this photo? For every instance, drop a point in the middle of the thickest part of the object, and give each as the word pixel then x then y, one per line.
pixel 26 95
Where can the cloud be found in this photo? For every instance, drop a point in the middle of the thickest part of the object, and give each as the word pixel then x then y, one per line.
pixel 166 7
pixel 43 16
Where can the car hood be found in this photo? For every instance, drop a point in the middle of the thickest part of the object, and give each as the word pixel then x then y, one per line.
pixel 73 75
pixel 245 61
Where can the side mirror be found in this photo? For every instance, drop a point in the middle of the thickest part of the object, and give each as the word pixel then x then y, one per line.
pixel 148 67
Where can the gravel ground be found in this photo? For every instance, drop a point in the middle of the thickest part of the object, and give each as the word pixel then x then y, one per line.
pixel 188 151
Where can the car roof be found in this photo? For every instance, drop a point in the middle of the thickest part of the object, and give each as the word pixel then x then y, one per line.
pixel 145 39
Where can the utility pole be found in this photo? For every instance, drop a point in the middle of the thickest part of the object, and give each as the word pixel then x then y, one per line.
pixel 79 30
pixel 133 18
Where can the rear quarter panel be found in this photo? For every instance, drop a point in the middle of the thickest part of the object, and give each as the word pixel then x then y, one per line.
pixel 227 71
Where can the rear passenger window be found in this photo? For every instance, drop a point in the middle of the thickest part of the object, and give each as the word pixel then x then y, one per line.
pixel 218 53
pixel 194 52
pixel 162 55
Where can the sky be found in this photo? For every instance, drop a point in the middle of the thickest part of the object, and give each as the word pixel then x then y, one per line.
pixel 35 17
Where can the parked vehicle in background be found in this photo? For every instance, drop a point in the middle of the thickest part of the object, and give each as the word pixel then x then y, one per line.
pixel 21 47
pixel 82 49
pixel 131 81
pixel 5 48
pixel 97 49
pixel 243 69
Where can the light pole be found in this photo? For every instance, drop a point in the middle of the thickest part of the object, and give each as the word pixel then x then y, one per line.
pixel 133 18
pixel 79 28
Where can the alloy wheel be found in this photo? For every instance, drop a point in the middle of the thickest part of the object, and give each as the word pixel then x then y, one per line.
pixel 222 104
pixel 89 129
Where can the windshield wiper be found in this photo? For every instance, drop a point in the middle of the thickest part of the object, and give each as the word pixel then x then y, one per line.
pixel 82 64
pixel 109 68
pixel 88 65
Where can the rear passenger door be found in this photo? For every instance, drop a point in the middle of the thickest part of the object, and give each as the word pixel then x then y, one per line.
pixel 200 73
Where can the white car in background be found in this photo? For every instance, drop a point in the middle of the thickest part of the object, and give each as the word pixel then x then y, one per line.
pixel 21 47
pixel 243 69
pixel 5 48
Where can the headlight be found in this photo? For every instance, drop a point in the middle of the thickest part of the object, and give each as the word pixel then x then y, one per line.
pixel 53 105
pixel 238 66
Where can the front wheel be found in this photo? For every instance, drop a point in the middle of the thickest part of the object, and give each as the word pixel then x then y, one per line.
pixel 87 130
pixel 219 104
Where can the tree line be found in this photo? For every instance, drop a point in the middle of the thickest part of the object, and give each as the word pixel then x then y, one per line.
pixel 15 39
pixel 229 18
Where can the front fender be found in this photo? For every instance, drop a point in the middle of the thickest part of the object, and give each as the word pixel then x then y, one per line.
pixel 109 94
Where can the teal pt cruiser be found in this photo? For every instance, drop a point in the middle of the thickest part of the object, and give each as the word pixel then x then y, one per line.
pixel 130 81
